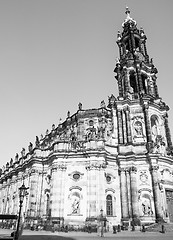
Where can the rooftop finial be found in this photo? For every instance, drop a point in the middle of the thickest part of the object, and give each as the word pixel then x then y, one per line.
pixel 127 12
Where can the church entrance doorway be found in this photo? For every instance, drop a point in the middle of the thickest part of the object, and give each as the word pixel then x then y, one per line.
pixel 169 198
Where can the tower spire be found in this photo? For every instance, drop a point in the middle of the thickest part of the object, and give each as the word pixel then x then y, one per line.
pixel 135 74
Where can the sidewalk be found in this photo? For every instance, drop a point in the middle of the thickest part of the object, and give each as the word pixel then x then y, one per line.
pixel 5 233
pixel 83 235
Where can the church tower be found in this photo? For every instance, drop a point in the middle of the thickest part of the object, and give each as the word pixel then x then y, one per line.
pixel 144 141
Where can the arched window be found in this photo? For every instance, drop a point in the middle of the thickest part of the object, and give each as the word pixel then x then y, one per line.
pixel 133 82
pixel 109 207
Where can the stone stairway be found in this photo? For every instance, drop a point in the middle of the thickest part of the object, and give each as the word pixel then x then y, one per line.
pixel 157 227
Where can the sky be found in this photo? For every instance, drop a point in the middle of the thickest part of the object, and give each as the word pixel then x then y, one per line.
pixel 55 54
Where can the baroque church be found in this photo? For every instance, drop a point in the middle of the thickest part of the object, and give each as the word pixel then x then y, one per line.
pixel 117 158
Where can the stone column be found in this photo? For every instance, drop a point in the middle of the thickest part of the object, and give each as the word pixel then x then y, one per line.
pixel 148 128
pixel 80 129
pixel 156 192
pixel 120 87
pixel 129 192
pixel 129 134
pixel 124 194
pixel 102 198
pixel 54 192
pixel 139 79
pixel 92 190
pixel 115 129
pixel 134 192
pixel 63 169
pixel 120 126
pixel 88 212
pixel 126 84
pixel 145 51
pixel 40 193
pixel 33 193
pixel 124 127
pixel 155 86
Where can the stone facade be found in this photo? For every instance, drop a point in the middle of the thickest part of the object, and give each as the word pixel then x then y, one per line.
pixel 117 158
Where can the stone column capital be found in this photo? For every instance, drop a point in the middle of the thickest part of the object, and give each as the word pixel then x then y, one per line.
pixel 154 168
pixel 133 169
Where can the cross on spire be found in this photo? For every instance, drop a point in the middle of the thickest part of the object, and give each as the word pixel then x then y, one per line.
pixel 127 12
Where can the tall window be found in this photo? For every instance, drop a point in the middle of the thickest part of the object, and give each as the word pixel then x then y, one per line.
pixel 109 208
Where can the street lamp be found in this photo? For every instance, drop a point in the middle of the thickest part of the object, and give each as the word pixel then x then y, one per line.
pixel 101 219
pixel 22 194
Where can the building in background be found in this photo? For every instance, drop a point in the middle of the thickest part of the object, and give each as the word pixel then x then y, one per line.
pixel 116 158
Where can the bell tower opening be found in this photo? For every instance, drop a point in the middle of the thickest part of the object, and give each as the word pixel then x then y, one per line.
pixel 133 84
pixel 144 83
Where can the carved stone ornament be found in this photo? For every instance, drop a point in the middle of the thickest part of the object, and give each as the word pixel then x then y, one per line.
pixel 143 177
pixel 96 166
pixel 76 175
pixel 109 178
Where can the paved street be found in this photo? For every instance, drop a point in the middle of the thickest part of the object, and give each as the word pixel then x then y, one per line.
pixel 127 235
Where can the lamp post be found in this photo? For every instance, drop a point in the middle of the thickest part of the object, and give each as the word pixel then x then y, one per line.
pixel 101 220
pixel 22 194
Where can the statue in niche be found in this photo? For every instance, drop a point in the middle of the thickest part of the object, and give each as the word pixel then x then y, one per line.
pixel 91 133
pixel 146 208
pixel 75 203
pixel 154 127
pixel 159 145
pixel 138 129
pixel 101 132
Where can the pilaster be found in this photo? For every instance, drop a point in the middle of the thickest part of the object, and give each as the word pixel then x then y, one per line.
pixel 129 134
pixel 147 125
pixel 124 194
pixel 120 126
pixel 167 131
pixel 134 192
pixel 156 192
pixel 124 127
pixel 33 193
